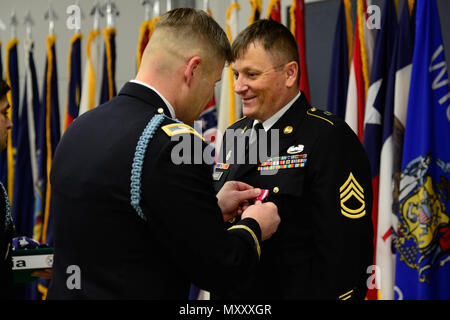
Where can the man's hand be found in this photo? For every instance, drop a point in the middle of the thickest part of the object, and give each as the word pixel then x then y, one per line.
pixel 233 198
pixel 266 214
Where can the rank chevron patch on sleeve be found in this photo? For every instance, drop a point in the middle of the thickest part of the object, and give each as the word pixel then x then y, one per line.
pixel 352 198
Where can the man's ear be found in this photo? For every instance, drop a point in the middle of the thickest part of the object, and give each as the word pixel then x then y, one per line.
pixel 291 74
pixel 191 67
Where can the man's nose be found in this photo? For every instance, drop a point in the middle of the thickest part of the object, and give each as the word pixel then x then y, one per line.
pixel 240 86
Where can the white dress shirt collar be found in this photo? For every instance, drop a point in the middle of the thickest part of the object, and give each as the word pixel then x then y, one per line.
pixel 276 116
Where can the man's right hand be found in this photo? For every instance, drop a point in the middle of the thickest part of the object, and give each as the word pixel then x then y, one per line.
pixel 266 214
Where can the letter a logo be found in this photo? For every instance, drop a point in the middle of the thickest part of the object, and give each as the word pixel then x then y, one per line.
pixel 74 280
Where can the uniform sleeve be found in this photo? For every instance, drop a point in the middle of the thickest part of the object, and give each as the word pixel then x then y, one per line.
pixel 341 195
pixel 184 215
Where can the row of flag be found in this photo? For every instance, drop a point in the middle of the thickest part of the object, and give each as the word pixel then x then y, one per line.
pixel 394 94
pixel 26 163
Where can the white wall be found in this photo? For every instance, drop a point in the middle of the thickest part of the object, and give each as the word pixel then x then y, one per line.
pixel 127 25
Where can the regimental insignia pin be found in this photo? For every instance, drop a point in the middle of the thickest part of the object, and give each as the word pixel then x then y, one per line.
pixel 288 130
pixel 352 198
pixel 295 149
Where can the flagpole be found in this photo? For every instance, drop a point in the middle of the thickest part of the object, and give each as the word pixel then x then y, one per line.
pixel 78 30
pixel 51 16
pixel 2 28
pixel 205 5
pixel 147 9
pixel 109 17
pixel 111 11
pixel 156 8
pixel 97 13
pixel 29 23
pixel 13 24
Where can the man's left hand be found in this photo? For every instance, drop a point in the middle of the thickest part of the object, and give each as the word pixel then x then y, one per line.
pixel 233 198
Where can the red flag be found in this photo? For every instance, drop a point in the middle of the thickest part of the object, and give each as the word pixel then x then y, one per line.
pixel 297 13
pixel 145 33
pixel 274 10
pixel 74 86
pixel 359 73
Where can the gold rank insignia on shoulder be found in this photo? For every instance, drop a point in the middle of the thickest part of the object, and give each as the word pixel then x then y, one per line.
pixel 352 198
pixel 179 128
pixel 239 120
pixel 314 112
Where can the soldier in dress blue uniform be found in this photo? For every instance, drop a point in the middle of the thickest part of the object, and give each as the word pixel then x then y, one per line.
pixel 6 224
pixel 130 222
pixel 317 174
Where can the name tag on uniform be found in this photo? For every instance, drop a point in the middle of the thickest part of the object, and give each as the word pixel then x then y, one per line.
pixel 217 175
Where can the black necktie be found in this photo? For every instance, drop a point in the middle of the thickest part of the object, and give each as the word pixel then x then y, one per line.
pixel 262 142
pixel 259 128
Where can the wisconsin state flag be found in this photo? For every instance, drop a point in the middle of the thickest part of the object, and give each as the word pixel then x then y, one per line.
pixel 423 235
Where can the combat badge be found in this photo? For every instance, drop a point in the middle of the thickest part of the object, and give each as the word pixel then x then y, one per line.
pixel 352 198
pixel 296 149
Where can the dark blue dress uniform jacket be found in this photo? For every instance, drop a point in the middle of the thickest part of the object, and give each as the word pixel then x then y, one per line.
pixel 324 243
pixel 119 255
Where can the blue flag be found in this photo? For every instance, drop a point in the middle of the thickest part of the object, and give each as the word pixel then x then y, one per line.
pixel 338 85
pixel 47 136
pixel 423 239
pixel 23 201
pixel 74 86
pixel 403 61
pixel 108 89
